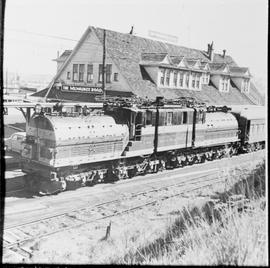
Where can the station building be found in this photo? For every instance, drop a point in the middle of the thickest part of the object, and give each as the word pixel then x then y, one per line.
pixel 147 68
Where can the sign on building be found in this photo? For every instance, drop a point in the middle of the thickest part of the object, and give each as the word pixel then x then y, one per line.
pixel 94 90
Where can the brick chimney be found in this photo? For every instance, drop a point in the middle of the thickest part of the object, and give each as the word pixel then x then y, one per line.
pixel 210 51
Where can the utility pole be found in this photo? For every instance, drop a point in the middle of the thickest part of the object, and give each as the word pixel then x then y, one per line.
pixel 158 104
pixel 103 65
pixel 6 81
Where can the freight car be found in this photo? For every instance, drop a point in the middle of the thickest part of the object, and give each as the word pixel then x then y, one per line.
pixel 67 149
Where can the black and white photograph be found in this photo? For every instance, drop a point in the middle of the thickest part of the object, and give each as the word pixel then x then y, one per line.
pixel 134 132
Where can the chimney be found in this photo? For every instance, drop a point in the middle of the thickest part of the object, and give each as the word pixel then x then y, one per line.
pixel 224 52
pixel 210 51
pixel 131 31
pixel 57 54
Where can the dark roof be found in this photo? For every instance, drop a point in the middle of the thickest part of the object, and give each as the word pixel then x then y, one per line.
pixel 214 66
pixel 176 59
pixel 238 70
pixel 153 57
pixel 128 58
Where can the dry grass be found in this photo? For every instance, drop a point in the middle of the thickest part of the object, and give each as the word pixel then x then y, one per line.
pixel 231 231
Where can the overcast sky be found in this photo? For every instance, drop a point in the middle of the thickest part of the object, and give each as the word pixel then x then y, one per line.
pixel 239 26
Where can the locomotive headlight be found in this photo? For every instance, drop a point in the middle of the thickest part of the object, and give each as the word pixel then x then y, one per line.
pixel 38 109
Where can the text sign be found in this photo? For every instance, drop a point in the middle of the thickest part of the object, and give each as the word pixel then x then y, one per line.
pixel 96 90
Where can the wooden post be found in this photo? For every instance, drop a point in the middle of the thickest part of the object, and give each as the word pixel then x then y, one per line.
pixel 158 104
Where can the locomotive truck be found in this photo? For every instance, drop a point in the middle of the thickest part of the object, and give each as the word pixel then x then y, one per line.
pixel 65 149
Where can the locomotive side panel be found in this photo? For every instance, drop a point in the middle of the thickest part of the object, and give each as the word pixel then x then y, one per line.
pixel 175 128
pixel 220 128
pixel 73 142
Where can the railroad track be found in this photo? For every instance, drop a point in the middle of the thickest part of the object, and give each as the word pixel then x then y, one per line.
pixel 15 237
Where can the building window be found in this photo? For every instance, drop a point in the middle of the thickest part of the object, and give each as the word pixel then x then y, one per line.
pixel 181 80
pixel 115 77
pixel 68 75
pixel 162 76
pixel 168 74
pixel 175 78
pixel 245 85
pixel 81 72
pixel 198 81
pixel 108 73
pixel 193 80
pixel 75 72
pixel 225 81
pixel 90 76
pixel 100 71
pixel 187 80
pixel 205 78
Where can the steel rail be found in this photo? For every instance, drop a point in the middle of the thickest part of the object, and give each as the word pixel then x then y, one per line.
pixel 132 195
pixel 183 184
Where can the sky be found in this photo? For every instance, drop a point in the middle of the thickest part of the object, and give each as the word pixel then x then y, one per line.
pixel 36 29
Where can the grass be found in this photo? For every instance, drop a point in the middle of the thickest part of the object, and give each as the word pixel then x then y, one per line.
pixel 229 230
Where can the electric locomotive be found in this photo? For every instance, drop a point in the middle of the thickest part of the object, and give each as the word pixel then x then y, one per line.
pixel 67 149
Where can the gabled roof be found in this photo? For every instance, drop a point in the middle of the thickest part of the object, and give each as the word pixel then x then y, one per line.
pixel 153 57
pixel 218 67
pixel 194 63
pixel 239 71
pixel 176 60
pixel 126 51
pixel 205 66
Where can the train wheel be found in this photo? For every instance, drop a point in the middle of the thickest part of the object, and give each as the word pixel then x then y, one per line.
pixel 203 158
pixel 132 172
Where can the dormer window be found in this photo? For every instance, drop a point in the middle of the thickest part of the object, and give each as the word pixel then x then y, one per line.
pixel 162 76
pixel 175 78
pixel 224 83
pixel 245 85
pixel 205 78
pixel 181 80
pixel 193 80
pixel 187 80
pixel 168 74
pixel 197 81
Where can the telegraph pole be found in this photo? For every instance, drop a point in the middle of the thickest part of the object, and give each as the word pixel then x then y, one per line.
pixel 158 104
pixel 103 65
pixel 6 81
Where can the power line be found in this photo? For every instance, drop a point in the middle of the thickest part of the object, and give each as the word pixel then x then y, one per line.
pixel 45 35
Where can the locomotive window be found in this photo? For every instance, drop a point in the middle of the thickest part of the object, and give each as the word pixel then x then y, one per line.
pixel 148 117
pixel 169 118
pixel 185 117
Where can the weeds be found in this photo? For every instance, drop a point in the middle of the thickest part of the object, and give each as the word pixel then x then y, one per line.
pixel 227 231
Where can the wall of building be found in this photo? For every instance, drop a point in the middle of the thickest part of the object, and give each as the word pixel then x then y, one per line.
pixel 91 52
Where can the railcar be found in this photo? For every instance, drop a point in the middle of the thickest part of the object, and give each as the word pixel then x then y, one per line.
pixel 67 150
pixel 252 128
